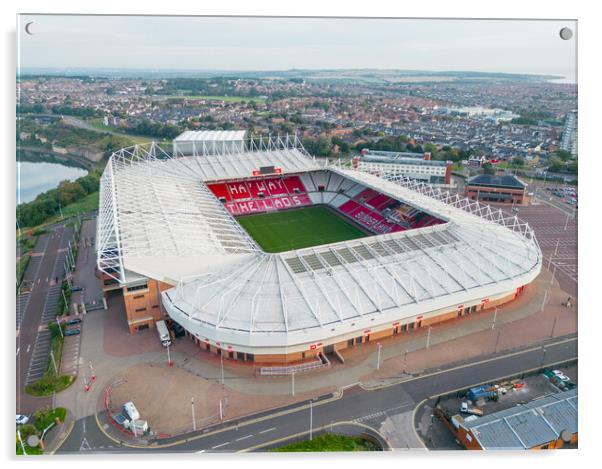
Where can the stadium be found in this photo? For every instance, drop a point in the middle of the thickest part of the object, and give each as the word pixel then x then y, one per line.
pixel 264 254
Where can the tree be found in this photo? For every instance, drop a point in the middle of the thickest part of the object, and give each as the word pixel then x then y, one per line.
pixel 563 155
pixel 518 161
pixel 488 168
pixel 555 164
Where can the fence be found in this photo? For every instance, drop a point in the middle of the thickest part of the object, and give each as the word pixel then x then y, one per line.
pixel 319 363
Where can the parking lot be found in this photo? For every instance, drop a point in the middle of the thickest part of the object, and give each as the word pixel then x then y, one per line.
pixel 556 232
pixel 39 359
pixel 71 349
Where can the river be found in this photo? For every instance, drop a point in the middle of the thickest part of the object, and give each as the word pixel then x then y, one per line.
pixel 35 178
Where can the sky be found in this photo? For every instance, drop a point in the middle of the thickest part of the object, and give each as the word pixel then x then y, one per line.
pixel 235 43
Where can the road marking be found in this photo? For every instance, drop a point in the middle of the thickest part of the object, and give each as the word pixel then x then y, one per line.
pixel 201 451
pixel 18 351
pixel 219 446
pixel 268 430
pixel 85 445
pixel 244 437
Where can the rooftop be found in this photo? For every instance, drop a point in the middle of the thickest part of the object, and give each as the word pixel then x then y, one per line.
pixel 210 135
pixel 489 180
pixel 528 425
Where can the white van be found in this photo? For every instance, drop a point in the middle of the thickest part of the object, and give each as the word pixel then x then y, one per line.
pixel 163 333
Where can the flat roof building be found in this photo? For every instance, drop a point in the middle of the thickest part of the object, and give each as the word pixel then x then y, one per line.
pixel 209 142
pixel 415 166
pixel 500 189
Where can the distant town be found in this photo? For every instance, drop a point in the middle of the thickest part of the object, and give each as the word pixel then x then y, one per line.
pixel 501 118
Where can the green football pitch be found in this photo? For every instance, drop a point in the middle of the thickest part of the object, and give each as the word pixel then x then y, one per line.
pixel 299 228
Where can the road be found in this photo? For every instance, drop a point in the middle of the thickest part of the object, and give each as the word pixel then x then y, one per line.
pixel 356 404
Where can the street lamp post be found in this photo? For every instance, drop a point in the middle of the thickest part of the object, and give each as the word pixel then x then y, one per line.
pixel 556 250
pixel 553 327
pixel 428 338
pixel 545 298
pixel 379 346
pixel 494 318
pixel 221 357
pixel 193 415
pixel 567 222
pixel 553 275
pixel 293 382
pixel 58 322
pixel 497 341
pixel 311 419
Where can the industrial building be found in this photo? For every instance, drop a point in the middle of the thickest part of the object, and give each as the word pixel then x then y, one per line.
pixel 169 238
pixel 506 189
pixel 546 423
pixel 415 166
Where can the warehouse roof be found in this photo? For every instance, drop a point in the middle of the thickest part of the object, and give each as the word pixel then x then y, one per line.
pixel 210 135
pixel 528 425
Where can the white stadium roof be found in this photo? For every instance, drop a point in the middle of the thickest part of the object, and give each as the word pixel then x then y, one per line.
pixel 156 219
pixel 210 135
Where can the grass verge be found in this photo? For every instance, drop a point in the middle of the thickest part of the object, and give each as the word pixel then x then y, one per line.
pixel 324 443
pixel 43 419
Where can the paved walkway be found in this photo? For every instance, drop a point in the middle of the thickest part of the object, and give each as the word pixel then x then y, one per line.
pixel 85 273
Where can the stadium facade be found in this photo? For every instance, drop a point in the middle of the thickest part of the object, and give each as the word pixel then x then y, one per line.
pixel 169 239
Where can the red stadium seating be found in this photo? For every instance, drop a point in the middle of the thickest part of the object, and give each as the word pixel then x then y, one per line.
pixel 380 202
pixel 220 191
pixel 279 193
pixel 257 187
pixel 368 218
pixel 275 186
pixel 268 205
pixel 292 183
pixel 238 190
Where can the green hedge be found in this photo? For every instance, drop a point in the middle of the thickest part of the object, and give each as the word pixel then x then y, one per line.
pixel 329 443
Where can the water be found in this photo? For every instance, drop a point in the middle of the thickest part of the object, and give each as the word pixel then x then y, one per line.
pixel 35 178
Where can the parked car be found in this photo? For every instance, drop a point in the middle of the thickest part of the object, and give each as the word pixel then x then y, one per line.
pixel 73 321
pixel 177 329
pixel 70 332
pixel 22 419
pixel 561 376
